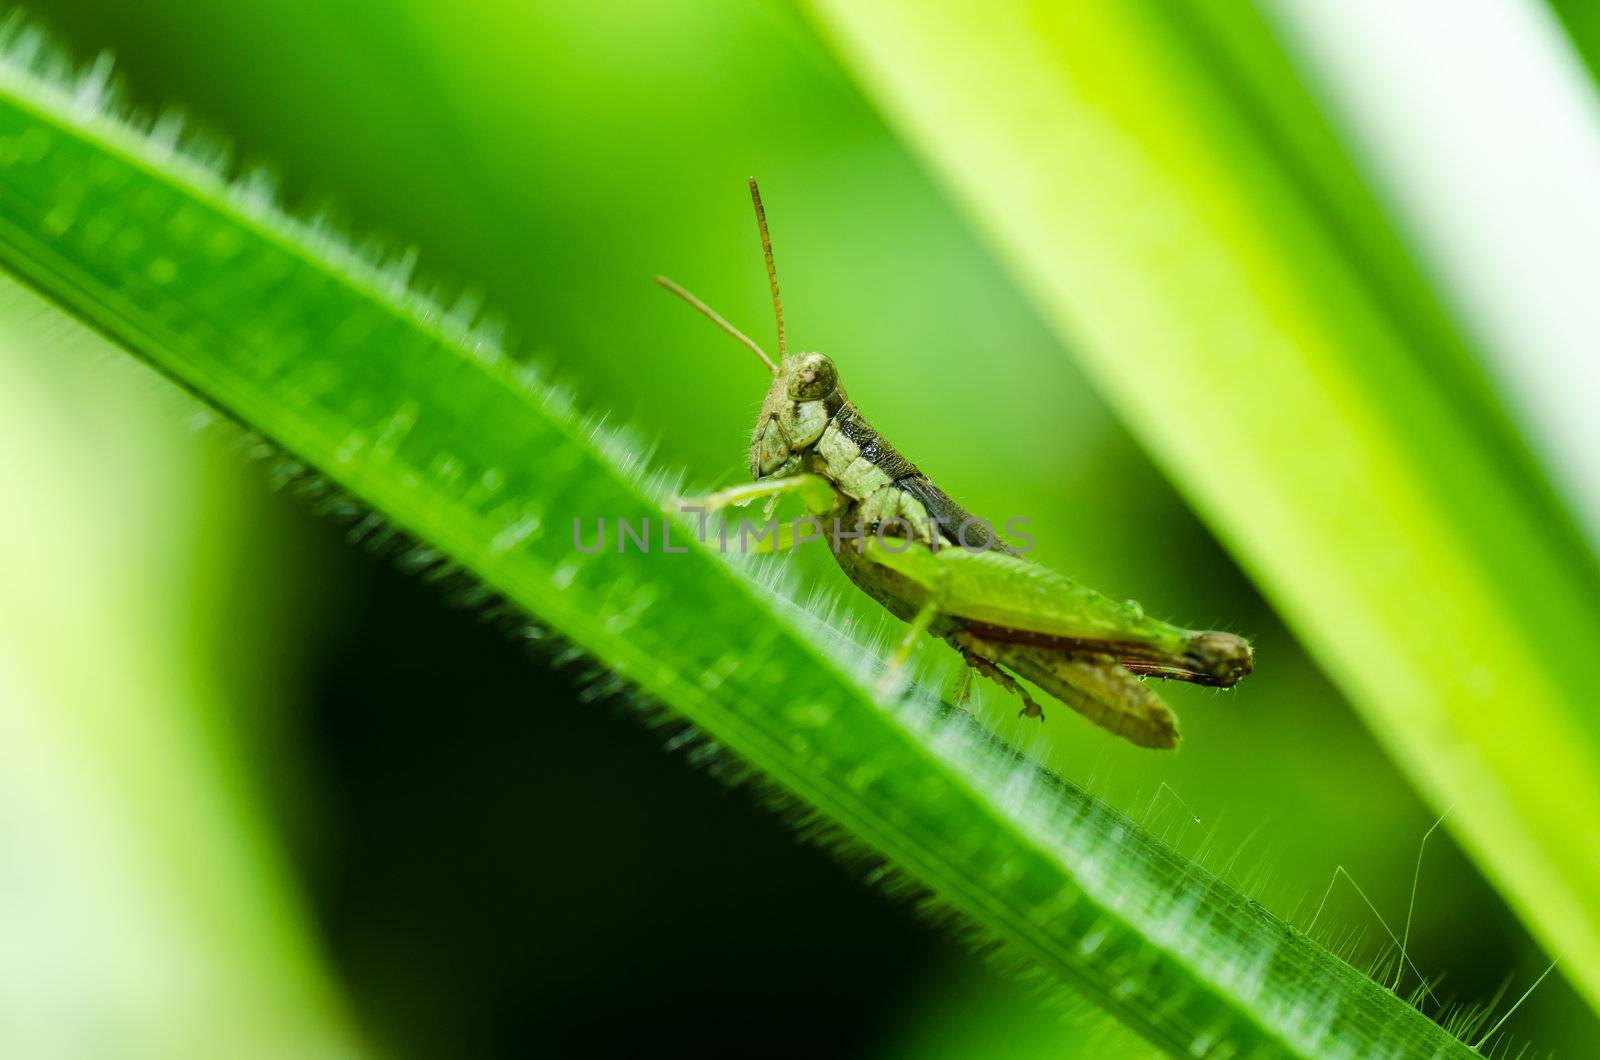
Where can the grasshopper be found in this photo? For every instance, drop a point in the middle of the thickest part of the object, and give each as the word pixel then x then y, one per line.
pixel 935 566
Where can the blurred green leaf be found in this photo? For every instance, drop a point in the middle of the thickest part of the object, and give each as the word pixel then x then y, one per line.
pixel 1157 177
pixel 416 411
pixel 145 910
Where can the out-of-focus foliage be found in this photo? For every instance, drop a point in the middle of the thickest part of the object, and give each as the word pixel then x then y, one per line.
pixel 144 910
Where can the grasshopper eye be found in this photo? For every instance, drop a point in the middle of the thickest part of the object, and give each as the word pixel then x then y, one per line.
pixel 813 378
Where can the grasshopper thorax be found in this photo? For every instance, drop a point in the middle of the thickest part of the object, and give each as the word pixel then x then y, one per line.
pixel 804 395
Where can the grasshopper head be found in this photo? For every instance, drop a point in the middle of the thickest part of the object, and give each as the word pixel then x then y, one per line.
pixel 805 392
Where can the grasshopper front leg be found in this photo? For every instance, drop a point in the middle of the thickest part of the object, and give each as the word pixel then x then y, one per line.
pixel 780 537
pixel 816 491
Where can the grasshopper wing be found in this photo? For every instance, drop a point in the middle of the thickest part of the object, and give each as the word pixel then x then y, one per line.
pixel 1009 598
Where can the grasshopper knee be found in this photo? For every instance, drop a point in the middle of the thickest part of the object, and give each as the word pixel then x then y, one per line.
pixel 1223 657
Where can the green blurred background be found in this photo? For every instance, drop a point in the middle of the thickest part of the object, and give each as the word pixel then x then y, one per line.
pixel 415 838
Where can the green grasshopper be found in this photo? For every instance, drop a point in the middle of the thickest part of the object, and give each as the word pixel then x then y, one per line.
pixel 934 565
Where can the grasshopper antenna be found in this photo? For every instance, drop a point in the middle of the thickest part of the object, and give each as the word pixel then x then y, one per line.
pixel 716 318
pixel 772 270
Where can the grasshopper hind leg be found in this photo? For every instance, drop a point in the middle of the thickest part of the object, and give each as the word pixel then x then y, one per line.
pixel 990 669
pixel 1095 686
